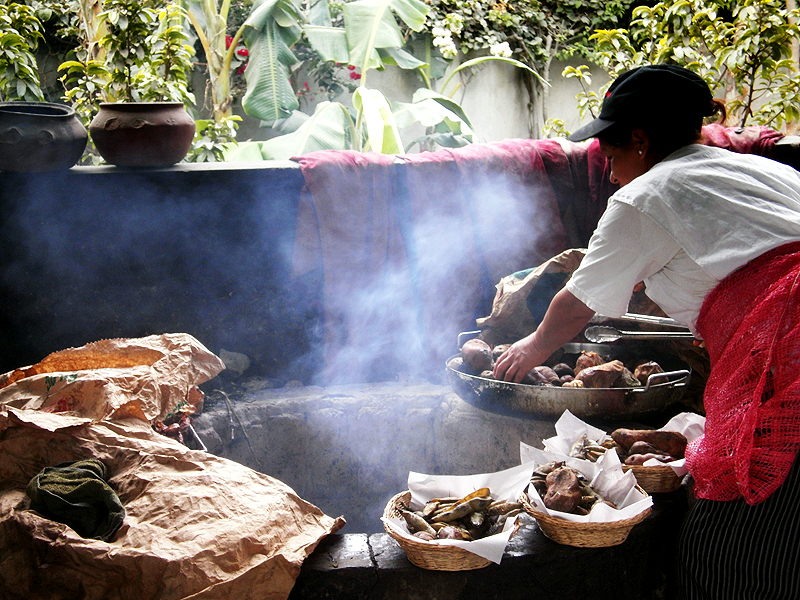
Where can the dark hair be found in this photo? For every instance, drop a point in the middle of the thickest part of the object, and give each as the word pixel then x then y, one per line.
pixel 675 130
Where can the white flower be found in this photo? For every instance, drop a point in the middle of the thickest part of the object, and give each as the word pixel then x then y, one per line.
pixel 440 32
pixel 501 49
pixel 446 45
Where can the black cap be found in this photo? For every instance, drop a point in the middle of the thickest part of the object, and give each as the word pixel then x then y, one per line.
pixel 652 90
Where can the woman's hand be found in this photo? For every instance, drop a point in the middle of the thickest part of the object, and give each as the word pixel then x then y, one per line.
pixel 565 318
pixel 520 358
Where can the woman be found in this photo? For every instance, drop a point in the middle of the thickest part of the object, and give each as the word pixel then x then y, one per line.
pixel 715 236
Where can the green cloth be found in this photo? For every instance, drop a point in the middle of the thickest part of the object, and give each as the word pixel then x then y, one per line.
pixel 77 494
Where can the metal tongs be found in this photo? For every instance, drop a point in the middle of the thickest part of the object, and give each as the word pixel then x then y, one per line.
pixel 602 335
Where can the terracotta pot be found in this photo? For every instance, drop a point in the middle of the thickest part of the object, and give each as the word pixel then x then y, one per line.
pixel 142 134
pixel 39 136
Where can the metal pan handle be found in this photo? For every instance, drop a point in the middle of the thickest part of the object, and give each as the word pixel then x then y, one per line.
pixel 681 379
pixel 465 336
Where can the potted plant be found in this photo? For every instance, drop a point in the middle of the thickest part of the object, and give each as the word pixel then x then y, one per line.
pixel 35 136
pixel 140 65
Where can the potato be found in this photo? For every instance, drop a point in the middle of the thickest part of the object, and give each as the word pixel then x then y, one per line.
pixel 643 371
pixel 499 349
pixel 668 442
pixel 548 373
pixel 586 360
pixel 600 376
pixel 563 490
pixel 477 354
pixel 562 369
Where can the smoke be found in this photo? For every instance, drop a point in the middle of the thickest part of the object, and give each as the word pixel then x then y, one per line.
pixel 94 254
pixel 401 320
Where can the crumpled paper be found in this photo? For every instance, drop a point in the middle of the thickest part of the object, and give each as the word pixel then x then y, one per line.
pixel 503 485
pixel 605 476
pixel 146 378
pixel 197 526
pixel 569 428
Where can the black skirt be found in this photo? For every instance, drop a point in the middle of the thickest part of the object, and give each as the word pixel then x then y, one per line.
pixel 735 551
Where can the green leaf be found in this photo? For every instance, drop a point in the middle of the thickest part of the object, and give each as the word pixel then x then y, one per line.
pixel 329 128
pixel 400 58
pixel 429 113
pixel 269 95
pixel 319 13
pixel 482 59
pixel 448 103
pixel 329 42
pixel 243 152
pixel 370 25
pixel 382 133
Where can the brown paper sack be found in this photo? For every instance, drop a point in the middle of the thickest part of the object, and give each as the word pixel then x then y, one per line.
pixel 522 298
pixel 197 526
pixel 146 378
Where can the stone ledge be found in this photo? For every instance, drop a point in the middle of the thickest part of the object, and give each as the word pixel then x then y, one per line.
pixel 374 567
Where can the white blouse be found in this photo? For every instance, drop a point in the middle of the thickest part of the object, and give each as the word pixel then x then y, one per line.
pixel 683 226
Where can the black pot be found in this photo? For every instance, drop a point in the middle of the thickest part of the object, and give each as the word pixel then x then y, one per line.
pixel 39 136
pixel 142 134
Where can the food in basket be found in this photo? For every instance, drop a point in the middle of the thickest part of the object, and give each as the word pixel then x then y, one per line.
pixel 565 489
pixel 670 443
pixel 472 517
pixel 586 448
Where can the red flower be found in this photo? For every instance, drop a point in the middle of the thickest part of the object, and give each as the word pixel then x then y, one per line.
pixel 354 75
pixel 242 52
pixel 351 67
pixel 241 69
pixel 228 40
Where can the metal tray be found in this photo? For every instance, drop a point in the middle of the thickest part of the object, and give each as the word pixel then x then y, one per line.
pixel 546 402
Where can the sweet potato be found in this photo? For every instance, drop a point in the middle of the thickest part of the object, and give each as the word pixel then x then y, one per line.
pixel 600 376
pixel 643 371
pixel 640 459
pixel 586 360
pixel 477 354
pixel 563 490
pixel 668 442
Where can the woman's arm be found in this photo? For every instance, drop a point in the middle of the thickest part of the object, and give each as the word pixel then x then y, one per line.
pixel 565 318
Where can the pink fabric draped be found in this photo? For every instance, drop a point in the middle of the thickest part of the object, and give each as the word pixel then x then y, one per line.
pixel 411 247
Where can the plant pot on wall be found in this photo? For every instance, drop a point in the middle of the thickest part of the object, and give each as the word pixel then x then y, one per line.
pixel 36 137
pixel 142 134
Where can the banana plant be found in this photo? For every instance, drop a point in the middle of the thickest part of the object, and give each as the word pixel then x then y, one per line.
pixel 370 39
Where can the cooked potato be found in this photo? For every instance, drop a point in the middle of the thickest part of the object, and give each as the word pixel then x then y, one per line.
pixel 477 354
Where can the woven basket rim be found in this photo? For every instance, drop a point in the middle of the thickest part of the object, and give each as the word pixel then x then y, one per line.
pixel 438 557
pixel 593 526
pixel 655 479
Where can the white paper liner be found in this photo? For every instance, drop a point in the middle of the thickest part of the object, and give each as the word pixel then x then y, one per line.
pixel 503 485
pixel 605 476
pixel 569 428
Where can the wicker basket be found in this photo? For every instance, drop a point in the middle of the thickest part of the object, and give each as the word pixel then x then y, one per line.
pixel 583 535
pixel 657 479
pixel 428 555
